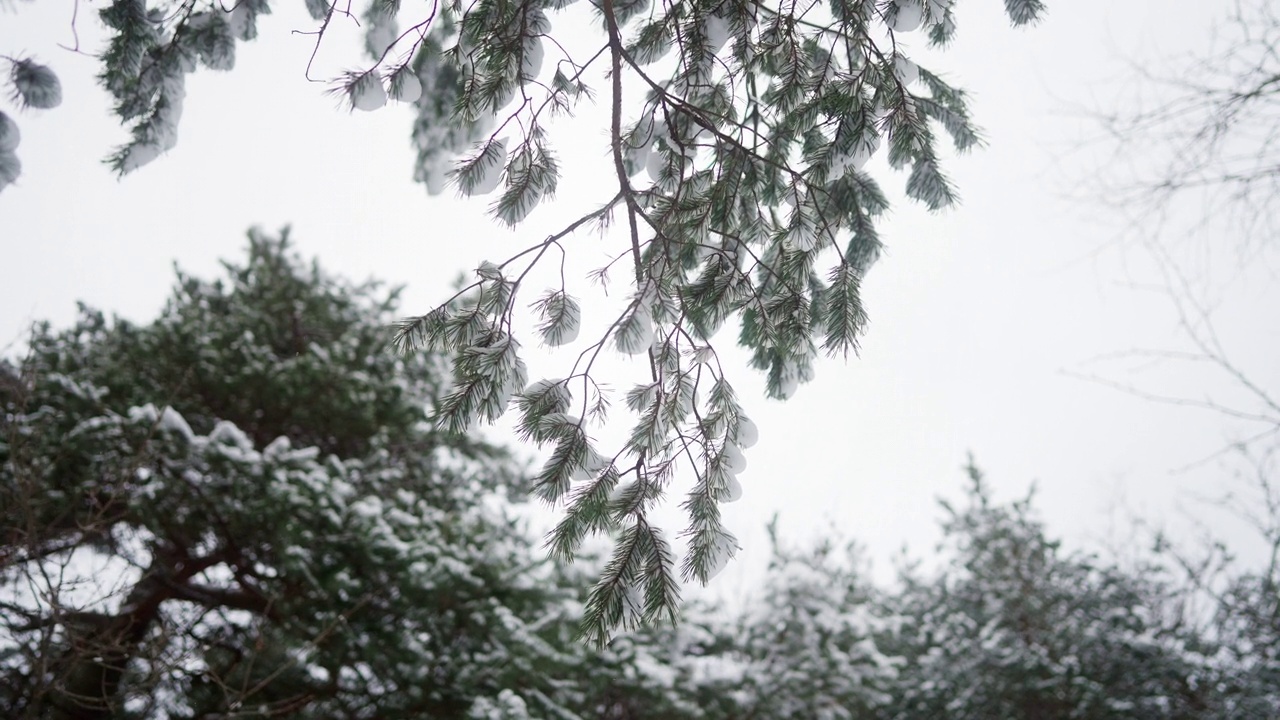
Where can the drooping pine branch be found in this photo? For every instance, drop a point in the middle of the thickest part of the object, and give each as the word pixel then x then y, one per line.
pixel 747 159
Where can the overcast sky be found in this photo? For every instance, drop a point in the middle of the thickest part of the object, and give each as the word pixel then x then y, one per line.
pixel 975 313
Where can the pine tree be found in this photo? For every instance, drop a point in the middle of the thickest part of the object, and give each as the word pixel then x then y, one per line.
pixel 738 141
pixel 811 637
pixel 241 509
pixel 1005 624
pixel 1016 627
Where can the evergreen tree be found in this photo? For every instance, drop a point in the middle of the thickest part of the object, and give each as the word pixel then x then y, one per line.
pixel 739 137
pixel 241 510
pixel 810 637
pixel 1246 631
pixel 1008 626
pixel 1015 627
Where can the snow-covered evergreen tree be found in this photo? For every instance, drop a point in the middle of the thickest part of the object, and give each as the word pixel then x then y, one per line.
pixel 1016 627
pixel 810 637
pixel 1246 640
pixel 1006 625
pixel 241 509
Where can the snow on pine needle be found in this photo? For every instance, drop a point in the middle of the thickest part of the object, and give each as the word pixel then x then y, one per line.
pixel 560 318
pixel 364 91
pixel 31 86
pixel 10 168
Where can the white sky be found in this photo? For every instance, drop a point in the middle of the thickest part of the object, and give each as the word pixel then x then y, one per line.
pixel 975 313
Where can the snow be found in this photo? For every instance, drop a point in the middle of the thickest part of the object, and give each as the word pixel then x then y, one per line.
pixel 879 112
pixel 642 396
pixel 655 162
pixel 367 93
pixel 910 15
pixel 406 87
pixel 568 326
pixel 435 180
pixel 748 433
pixel 722 551
pixel 144 414
pixel 227 433
pixel 9 135
pixel 512 382
pixel 863 152
pixel 548 385
pixel 35 85
pixel 382 35
pixel 170 113
pixel 369 507
pixel 10 168
pixel 491 169
pixel 591 467
pixel 521 210
pixel 509 706
pixel 531 64
pixel 489 270
pixel 241 19
pixel 906 71
pixel 172 421
pixel 638 335
pixel 735 490
pixel 552 422
pixel 663 674
pixel 717 32
pixel 735 461
pixel 803 235
pixel 643 136
pixel 622 490
pixel 789 380
pixel 221 56
pixel 640 158
pixel 570 330
pixel 160 133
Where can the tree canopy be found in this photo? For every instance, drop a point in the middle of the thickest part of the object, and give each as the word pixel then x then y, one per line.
pixel 242 504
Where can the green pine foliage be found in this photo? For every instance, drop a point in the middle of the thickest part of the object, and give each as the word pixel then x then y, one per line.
pixel 744 187
pixel 241 507
pixel 739 137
